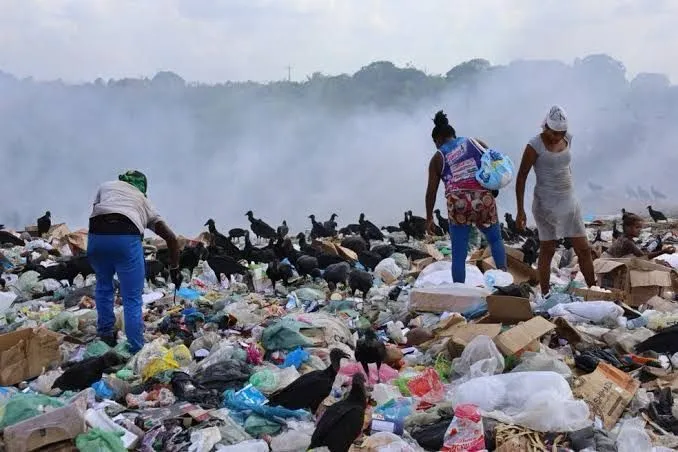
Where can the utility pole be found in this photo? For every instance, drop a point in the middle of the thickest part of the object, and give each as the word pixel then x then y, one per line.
pixel 289 73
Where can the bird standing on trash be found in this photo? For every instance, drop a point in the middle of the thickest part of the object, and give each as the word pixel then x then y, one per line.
pixel 370 350
pixel 309 390
pixel 120 214
pixel 342 423
pixel 656 215
pixel 44 223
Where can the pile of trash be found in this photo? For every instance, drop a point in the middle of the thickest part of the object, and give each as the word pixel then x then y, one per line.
pixel 372 349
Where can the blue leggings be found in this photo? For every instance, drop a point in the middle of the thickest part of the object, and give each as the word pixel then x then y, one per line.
pixel 124 255
pixel 460 235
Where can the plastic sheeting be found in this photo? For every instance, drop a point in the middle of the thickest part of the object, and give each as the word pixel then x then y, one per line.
pixel 540 401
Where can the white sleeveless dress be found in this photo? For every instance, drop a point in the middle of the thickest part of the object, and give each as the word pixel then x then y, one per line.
pixel 555 208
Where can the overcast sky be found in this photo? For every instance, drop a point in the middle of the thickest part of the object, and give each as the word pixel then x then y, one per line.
pixel 216 40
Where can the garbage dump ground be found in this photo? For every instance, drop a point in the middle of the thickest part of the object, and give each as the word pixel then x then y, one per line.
pixel 269 350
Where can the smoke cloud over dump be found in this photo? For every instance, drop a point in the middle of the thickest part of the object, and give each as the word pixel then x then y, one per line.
pixel 343 144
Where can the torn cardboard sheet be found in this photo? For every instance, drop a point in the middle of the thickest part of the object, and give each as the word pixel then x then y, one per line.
pixel 26 353
pixel 607 391
pixel 524 336
pixel 520 271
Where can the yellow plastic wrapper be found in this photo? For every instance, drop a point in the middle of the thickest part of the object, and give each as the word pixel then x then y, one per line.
pixel 157 365
pixel 181 354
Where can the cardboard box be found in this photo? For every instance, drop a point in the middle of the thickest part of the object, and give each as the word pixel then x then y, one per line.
pixel 59 425
pixel 523 337
pixel 450 299
pixel 461 335
pixel 520 271
pixel 638 279
pixel 597 295
pixel 26 353
pixel 607 391
pixel 507 310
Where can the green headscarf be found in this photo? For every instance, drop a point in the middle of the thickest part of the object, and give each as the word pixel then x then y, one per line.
pixel 136 178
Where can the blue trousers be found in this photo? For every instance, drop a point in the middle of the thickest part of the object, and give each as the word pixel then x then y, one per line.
pixel 124 255
pixel 460 236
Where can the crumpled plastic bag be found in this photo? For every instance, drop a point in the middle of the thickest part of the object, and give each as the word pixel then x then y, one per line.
pixel 386 372
pixel 588 311
pixel 157 365
pixel 388 270
pixel 204 440
pixel 291 441
pixel 96 348
pixel 382 393
pixel 541 361
pixel 43 384
pixel 497 278
pixel 284 335
pixel 64 322
pixel 632 437
pixel 496 170
pixel 270 380
pixel 480 358
pixel 427 386
pixel 388 442
pixel 540 401
pixel 296 358
pixel 97 440
pixel 252 445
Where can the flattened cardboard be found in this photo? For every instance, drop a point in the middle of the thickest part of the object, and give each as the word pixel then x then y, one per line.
pixel 520 337
pixel 461 335
pixel 508 310
pixel 433 251
pixel 25 353
pixel 597 295
pixel 607 391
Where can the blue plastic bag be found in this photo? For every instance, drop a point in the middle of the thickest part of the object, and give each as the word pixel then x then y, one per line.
pixel 496 170
pixel 295 358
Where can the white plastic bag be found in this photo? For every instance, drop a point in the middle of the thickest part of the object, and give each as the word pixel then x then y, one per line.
pixel 204 440
pixel 497 278
pixel 542 362
pixel 587 311
pixel 291 441
pixel 540 401
pixel 632 437
pixel 388 271
pixel 480 358
pixel 496 169
pixel 253 445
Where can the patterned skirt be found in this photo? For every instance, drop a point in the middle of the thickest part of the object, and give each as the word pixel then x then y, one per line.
pixel 472 207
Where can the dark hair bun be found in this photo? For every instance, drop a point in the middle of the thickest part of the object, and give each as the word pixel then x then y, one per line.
pixel 440 119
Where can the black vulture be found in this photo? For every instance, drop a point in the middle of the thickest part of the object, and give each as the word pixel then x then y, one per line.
pixel 309 390
pixel 616 233
pixel 254 254
pixel 443 222
pixel 221 242
pixel 260 228
pixel 369 229
pixel 391 229
pixel 370 350
pixel 306 265
pixel 336 273
pixel 318 230
pixel 342 423
pixel 236 233
pixel 417 225
pixel 354 243
pixel 406 227
pixel 331 225
pixel 283 230
pixel 226 265
pixel 656 215
pixel 44 223
pixel 9 238
pixel 360 280
pixel 410 252
pixel 85 373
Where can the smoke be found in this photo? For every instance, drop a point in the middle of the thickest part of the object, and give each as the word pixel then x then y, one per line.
pixel 288 150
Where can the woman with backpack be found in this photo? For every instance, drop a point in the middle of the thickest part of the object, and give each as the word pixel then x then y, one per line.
pixel 468 203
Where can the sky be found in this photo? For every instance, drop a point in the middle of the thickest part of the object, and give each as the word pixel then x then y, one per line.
pixel 217 40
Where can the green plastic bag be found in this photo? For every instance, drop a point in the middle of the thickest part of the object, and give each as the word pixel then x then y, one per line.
pixel 25 406
pixel 265 381
pixel 96 348
pixel 97 440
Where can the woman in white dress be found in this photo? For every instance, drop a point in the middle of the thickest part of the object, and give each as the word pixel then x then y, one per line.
pixel 555 208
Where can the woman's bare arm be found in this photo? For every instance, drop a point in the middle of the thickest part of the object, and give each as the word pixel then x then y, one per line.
pixel 526 164
pixel 435 169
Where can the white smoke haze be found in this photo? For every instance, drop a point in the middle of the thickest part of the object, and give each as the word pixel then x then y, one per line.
pixel 345 144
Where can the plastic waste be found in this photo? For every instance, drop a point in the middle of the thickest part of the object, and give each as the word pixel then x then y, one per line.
pixel 97 440
pixel 638 322
pixel 465 432
pixel 480 358
pixel 541 401
pixel 588 311
pixel 204 440
pixel 496 169
pixel 43 384
pixel 103 391
pixel 291 441
pixel 390 417
pixel 382 393
pixel 497 278
pixel 100 420
pixel 388 442
pixel 296 358
pixel 25 406
pixel 386 373
pixel 252 445
pixel 427 386
pixel 388 270
pixel 632 437
pixel 96 348
pixel 541 361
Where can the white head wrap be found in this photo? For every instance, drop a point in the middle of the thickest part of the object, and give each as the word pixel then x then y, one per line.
pixel 556 119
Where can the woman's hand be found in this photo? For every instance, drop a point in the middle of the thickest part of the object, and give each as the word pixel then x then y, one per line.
pixel 669 250
pixel 521 221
